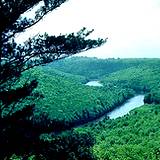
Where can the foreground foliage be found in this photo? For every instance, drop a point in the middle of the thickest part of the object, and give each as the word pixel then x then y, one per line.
pixel 65 146
pixel 18 127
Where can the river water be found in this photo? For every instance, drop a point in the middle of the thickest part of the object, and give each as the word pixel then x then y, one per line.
pixel 129 105
pixel 94 83
pixel 124 109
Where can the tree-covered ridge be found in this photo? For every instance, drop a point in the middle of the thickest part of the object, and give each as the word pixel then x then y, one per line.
pixel 133 137
pixel 67 99
pixel 141 79
pixel 94 68
pixel 67 76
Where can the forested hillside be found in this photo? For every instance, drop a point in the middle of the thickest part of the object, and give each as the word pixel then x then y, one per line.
pixel 141 79
pixel 68 100
pixel 94 68
pixel 133 137
pixel 68 103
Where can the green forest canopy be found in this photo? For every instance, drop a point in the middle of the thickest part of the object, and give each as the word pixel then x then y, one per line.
pixel 68 102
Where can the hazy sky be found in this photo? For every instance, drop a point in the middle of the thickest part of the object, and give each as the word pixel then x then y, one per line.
pixel 132 26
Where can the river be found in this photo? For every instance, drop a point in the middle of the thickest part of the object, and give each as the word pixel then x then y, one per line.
pixel 129 105
pixel 94 83
pixel 124 109
pixel 119 111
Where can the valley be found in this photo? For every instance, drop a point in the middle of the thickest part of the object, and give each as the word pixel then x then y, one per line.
pixel 75 107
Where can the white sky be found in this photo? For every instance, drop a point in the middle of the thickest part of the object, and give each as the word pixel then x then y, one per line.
pixel 132 26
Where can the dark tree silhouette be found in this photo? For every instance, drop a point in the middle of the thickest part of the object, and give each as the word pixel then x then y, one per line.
pixel 17 123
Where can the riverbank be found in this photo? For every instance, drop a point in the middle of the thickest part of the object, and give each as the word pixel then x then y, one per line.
pixel 133 137
pixel 118 111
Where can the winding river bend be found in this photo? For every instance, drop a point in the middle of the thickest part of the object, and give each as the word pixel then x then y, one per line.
pixel 124 109
pixel 129 105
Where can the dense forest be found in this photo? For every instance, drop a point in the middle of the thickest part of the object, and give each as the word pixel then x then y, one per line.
pixel 47 109
pixel 70 104
pixel 133 137
pixel 94 68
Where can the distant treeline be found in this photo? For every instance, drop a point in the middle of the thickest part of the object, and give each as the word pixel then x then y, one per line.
pixel 94 68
